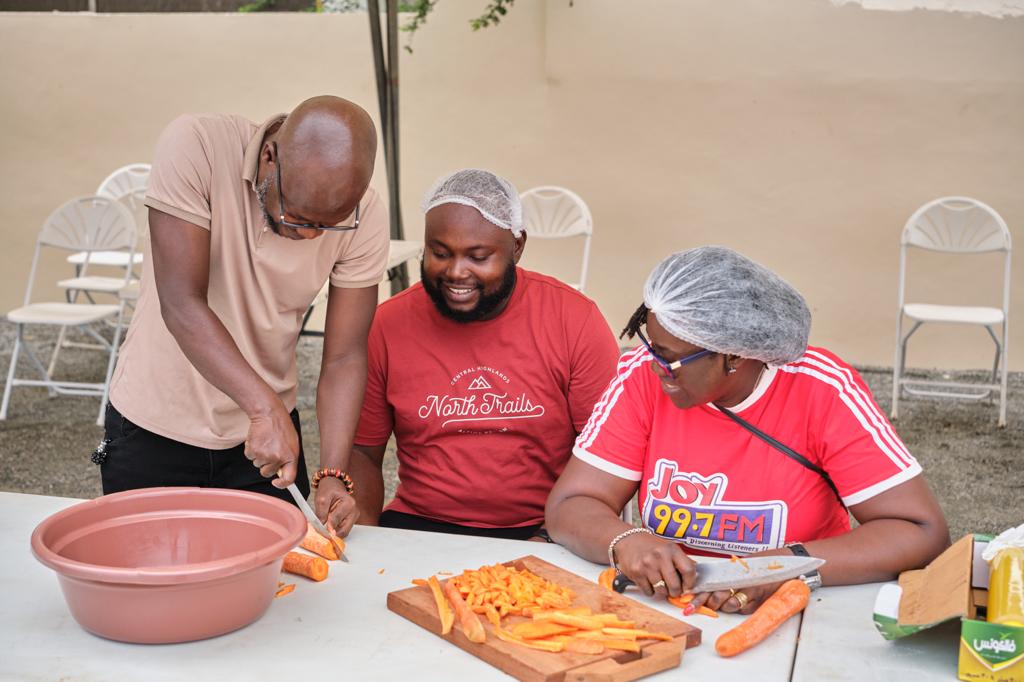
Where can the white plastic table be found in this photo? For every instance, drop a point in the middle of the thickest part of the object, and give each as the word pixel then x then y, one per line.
pixel 337 629
pixel 838 642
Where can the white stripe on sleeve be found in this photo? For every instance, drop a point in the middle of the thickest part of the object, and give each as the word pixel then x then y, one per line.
pixel 882 486
pixel 864 402
pixel 603 407
pixel 606 466
pixel 850 403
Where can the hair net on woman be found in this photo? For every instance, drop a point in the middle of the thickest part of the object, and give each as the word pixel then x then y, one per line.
pixel 717 299
pixel 496 198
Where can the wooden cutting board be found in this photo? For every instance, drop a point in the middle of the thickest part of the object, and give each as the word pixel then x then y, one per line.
pixel 417 605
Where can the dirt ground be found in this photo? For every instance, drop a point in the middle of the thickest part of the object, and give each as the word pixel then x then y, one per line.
pixel 975 468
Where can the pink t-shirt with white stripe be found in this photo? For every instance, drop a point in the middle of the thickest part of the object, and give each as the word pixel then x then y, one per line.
pixel 718 489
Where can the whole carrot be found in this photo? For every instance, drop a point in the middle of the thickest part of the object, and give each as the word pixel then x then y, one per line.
pixel 313 567
pixel 790 599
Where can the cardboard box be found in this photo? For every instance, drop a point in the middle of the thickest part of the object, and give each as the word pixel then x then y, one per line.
pixel 955 585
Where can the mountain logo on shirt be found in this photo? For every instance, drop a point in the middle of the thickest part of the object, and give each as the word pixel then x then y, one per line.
pixel 485 404
pixel 691 509
pixel 479 384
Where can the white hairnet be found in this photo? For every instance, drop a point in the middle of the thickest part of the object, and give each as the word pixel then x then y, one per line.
pixel 496 198
pixel 717 299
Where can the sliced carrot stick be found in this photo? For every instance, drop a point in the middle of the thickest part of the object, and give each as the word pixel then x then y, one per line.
pixel 542 644
pixel 284 590
pixel 791 598
pixel 619 633
pixel 705 611
pixel 444 611
pixel 579 646
pixel 610 620
pixel 313 567
pixel 576 611
pixel 631 633
pixel 318 544
pixel 471 625
pixel 492 615
pixel 621 645
pixel 533 629
pixel 579 622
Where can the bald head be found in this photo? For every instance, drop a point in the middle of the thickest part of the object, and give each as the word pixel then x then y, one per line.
pixel 327 147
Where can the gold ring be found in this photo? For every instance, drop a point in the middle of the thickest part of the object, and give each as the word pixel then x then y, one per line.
pixel 660 583
pixel 732 592
pixel 741 598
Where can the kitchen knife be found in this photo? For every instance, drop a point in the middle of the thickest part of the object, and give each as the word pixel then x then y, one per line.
pixel 316 523
pixel 725 574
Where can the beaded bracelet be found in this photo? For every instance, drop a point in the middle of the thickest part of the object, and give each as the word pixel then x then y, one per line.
pixel 350 487
pixel 615 541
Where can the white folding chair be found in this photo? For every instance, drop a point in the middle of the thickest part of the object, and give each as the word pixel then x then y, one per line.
pixel 551 212
pixel 128 183
pixel 87 224
pixel 957 225
pixel 85 283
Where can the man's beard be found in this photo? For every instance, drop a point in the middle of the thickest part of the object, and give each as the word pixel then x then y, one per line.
pixel 487 304
pixel 261 197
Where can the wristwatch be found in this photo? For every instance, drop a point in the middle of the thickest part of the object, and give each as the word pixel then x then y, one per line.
pixel 812 579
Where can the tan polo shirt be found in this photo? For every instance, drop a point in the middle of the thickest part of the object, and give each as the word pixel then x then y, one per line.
pixel 204 170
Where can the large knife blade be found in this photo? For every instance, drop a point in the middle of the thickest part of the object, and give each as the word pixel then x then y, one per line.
pixel 314 521
pixel 724 574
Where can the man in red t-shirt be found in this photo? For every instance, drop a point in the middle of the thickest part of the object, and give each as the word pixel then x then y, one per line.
pixel 484 372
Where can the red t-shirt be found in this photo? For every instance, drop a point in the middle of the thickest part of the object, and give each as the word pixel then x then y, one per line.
pixel 484 413
pixel 715 487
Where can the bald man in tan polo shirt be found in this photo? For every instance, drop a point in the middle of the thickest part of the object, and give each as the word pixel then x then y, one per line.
pixel 247 222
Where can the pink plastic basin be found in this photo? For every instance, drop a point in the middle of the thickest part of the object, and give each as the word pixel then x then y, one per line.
pixel 161 565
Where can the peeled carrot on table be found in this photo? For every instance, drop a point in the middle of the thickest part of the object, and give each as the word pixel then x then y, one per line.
pixel 606 577
pixel 790 599
pixel 471 625
pixel 313 567
pixel 318 544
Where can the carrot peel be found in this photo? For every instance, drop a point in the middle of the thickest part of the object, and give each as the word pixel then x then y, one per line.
pixel 471 625
pixel 444 611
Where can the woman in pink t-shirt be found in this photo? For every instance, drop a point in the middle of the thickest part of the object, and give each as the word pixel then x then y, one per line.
pixel 739 439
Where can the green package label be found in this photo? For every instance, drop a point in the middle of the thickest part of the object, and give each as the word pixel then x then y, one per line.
pixel 996 646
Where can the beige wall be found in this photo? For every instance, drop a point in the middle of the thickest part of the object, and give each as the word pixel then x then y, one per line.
pixel 801 133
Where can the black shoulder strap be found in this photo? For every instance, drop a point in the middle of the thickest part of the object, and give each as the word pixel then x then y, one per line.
pixel 786 450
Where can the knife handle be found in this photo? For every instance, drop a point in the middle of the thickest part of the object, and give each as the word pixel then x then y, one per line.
pixel 621 582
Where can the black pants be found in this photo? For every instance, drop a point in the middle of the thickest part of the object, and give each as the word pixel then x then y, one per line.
pixel 133 457
pixel 394 519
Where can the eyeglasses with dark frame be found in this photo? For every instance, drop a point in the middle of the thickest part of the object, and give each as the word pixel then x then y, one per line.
pixel 670 367
pixel 305 226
